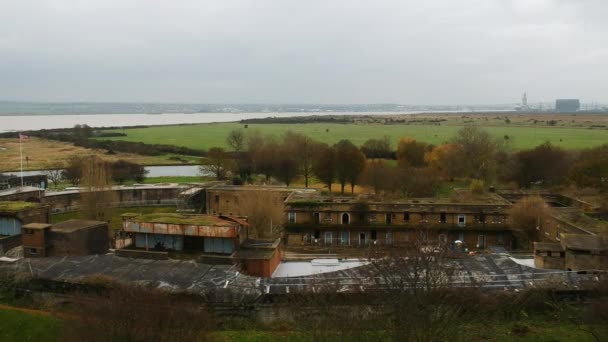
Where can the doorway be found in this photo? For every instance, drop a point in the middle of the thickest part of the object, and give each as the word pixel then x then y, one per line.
pixel 481 241
pixel 345 218
pixel 362 239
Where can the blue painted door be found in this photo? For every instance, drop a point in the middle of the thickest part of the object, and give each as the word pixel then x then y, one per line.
pixel 10 226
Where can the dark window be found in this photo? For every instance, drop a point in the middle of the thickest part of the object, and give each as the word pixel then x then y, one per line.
pixel 317 217
pixel 317 234
pixel 389 218
pixel 374 235
pixel 443 218
pixel 406 217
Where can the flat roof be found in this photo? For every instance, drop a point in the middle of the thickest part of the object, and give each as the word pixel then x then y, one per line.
pixel 73 225
pixel 19 190
pixel 301 198
pixel 37 226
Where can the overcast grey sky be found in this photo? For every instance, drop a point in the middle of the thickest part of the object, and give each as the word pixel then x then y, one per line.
pixel 313 51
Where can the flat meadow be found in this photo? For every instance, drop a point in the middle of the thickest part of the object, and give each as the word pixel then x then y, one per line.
pixel 204 136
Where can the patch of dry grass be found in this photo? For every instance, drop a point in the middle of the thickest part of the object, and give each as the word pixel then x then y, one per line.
pixel 44 154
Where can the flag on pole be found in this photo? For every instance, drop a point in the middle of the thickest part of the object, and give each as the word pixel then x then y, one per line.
pixel 23 136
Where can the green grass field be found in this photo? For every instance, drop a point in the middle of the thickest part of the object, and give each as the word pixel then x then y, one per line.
pixel 23 326
pixel 204 136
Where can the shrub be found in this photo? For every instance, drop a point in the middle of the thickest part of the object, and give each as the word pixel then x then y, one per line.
pixel 477 186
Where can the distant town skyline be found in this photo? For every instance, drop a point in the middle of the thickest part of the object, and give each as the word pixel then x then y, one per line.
pixel 436 52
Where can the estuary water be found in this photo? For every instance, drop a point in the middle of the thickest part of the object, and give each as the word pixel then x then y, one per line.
pixel 15 123
pixel 153 171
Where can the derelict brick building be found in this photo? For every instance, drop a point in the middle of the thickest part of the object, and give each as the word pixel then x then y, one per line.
pixel 347 222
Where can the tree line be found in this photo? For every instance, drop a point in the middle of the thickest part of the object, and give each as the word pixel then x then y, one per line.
pixel 413 168
pixel 119 171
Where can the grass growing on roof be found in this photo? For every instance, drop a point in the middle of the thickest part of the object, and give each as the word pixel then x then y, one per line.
pixel 116 220
pixel 174 218
pixel 15 206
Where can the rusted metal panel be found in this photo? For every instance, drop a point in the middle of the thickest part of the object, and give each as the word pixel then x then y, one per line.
pixel 225 232
pixel 160 228
pixel 191 230
pixel 175 229
pixel 146 227
pixel 178 229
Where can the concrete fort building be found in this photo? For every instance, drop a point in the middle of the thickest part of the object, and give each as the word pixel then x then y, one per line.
pixel 348 222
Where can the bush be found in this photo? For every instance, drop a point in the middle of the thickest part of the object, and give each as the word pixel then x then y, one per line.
pixel 477 186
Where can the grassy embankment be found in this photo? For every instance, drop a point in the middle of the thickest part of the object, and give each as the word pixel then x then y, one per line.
pixel 204 136
pixel 28 325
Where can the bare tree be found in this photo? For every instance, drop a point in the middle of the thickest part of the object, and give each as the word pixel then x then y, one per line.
pixel 324 165
pixel 528 216
pixel 97 198
pixel 124 313
pixel 217 162
pixel 479 152
pixel 236 140
pixel 302 148
pixel 264 211
pixel 417 279
pixel 55 172
pixel 376 174
pixel 349 164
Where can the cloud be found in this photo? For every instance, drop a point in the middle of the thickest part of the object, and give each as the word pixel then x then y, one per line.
pixel 420 52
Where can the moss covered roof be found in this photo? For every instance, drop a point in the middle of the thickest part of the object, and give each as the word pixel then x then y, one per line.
pixel 15 206
pixel 175 218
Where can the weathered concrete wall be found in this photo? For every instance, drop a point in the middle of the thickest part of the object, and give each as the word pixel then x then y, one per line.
pixel 9 242
pixel 577 261
pixel 550 262
pixel 93 240
pixel 70 200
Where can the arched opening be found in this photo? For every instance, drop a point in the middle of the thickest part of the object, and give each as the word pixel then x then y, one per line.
pixel 345 218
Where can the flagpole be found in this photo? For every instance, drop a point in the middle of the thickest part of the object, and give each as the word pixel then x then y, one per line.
pixel 21 157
